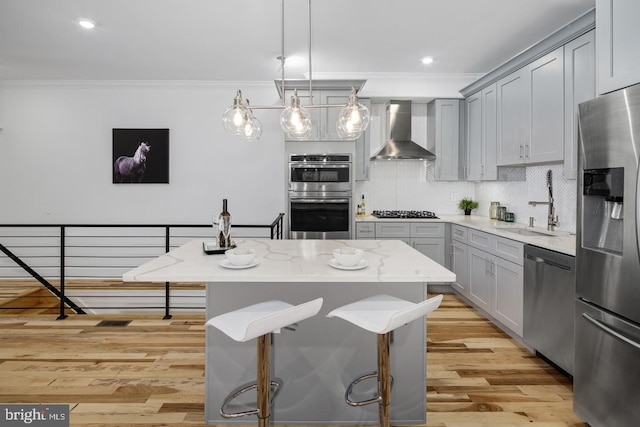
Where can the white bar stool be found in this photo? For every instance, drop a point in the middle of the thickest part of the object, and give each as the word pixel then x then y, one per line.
pixel 261 321
pixel 382 314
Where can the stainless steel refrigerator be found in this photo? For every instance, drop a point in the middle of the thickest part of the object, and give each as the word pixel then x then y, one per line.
pixel 607 327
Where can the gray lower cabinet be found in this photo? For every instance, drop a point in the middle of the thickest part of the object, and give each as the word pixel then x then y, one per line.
pixel 426 237
pixel 460 266
pixel 493 276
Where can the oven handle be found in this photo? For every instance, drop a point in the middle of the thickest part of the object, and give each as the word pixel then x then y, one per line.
pixel 320 200
pixel 319 165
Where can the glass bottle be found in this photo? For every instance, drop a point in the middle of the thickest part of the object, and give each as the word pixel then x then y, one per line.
pixel 363 210
pixel 493 210
pixel 224 226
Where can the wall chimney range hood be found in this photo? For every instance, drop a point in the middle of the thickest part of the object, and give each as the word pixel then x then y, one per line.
pixel 400 146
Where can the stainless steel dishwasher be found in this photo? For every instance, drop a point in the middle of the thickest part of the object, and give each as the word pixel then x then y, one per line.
pixel 549 299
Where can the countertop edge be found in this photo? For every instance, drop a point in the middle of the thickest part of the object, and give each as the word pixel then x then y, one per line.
pixel 562 243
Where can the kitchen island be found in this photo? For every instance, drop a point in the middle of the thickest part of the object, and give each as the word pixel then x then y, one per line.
pixel 319 359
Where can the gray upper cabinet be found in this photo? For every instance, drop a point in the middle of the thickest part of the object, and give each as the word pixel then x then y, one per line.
pixel 481 128
pixel 323 119
pixel 443 133
pixel 579 86
pixel 545 78
pixel 531 112
pixel 362 159
pixel 512 100
pixel 617 44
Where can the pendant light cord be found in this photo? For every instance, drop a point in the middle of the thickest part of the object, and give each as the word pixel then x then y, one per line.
pixel 310 75
pixel 282 58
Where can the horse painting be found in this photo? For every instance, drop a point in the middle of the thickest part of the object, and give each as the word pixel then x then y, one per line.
pixel 131 169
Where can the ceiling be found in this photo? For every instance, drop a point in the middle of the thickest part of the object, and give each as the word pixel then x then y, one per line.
pixel 232 40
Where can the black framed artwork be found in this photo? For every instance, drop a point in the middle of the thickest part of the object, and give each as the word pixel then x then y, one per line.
pixel 140 156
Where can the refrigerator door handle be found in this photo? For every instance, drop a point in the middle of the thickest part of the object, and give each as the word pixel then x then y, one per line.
pixel 610 331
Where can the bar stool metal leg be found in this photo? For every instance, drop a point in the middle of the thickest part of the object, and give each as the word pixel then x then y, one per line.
pixel 384 379
pixel 264 380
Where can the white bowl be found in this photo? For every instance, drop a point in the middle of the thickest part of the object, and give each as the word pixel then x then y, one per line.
pixel 241 256
pixel 348 257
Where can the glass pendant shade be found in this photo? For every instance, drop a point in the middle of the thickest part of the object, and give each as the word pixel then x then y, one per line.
pixel 252 129
pixel 354 117
pixel 347 132
pixel 295 120
pixel 234 117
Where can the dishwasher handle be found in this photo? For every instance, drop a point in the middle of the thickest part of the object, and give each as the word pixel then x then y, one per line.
pixel 548 262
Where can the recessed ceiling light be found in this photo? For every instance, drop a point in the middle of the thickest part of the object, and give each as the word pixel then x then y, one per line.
pixel 86 23
pixel 427 60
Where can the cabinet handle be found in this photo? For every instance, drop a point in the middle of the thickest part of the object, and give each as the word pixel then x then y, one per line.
pixel 521 151
pixel 487 266
pixel 493 268
pixel 527 151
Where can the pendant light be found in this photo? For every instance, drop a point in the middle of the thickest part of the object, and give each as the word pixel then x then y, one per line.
pixel 295 119
pixel 234 117
pixel 354 117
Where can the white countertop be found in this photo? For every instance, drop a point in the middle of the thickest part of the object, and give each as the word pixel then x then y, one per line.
pixel 294 261
pixel 561 241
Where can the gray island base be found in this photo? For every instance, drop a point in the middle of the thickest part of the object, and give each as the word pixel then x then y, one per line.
pixel 318 359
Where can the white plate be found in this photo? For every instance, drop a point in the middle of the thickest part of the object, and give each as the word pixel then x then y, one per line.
pixel 359 266
pixel 226 264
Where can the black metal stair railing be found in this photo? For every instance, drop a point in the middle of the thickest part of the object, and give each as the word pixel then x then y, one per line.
pixel 275 231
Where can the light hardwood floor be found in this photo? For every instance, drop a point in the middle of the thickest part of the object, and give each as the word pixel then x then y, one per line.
pixel 151 372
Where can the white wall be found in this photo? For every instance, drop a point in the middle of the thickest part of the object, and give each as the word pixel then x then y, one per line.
pixel 56 148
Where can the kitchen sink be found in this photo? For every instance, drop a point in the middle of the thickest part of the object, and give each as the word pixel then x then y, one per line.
pixel 528 231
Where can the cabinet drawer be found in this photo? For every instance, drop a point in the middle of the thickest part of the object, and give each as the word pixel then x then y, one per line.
pixel 459 233
pixel 508 249
pixel 392 230
pixel 365 230
pixel 480 240
pixel 427 229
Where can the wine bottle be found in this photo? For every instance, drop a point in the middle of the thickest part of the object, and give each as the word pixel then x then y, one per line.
pixel 363 210
pixel 224 226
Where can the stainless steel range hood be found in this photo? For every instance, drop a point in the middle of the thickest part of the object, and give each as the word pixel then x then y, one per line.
pixel 400 146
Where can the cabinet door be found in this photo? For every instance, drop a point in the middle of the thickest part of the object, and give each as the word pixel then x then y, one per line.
pixel 508 304
pixel 328 130
pixel 474 137
pixel 394 230
pixel 460 266
pixel 365 230
pixel 481 282
pixel 363 150
pixel 545 79
pixel 617 38
pixel 512 100
pixel 579 86
pixel 489 133
pixel 431 247
pixel 447 141
pixel 427 229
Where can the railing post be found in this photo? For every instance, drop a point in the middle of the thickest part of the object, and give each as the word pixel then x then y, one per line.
pixel 62 255
pixel 167 285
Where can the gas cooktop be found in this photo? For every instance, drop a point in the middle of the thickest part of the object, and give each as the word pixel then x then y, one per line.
pixel 404 214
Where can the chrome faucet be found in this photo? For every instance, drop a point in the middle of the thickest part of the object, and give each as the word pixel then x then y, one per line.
pixel 552 218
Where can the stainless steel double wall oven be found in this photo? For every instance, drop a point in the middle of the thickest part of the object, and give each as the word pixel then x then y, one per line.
pixel 319 196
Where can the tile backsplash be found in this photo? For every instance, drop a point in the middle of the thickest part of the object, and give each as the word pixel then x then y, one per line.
pixel 409 185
